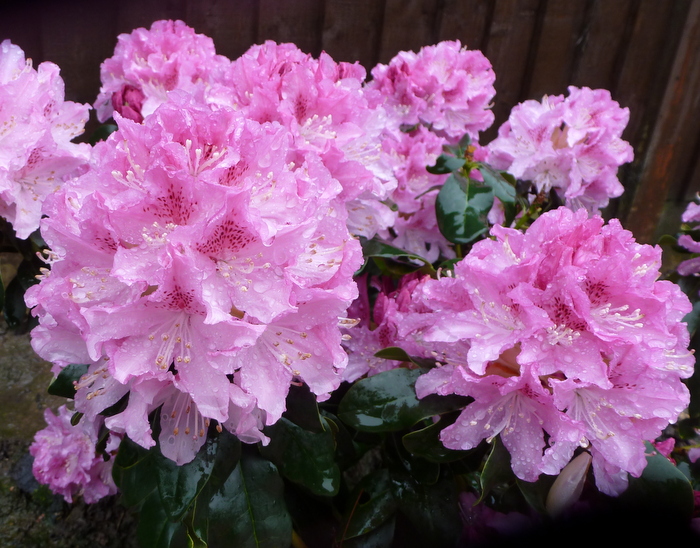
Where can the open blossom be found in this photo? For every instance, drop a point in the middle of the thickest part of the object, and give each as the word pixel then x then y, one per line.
pixel 564 338
pixel 572 145
pixel 65 458
pixel 203 264
pixel 445 87
pixel 149 63
pixel 324 106
pixel 691 266
pixel 36 128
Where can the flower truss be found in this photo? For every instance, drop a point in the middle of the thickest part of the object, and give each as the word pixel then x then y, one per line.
pixel 277 251
pixel 564 338
pixel 36 128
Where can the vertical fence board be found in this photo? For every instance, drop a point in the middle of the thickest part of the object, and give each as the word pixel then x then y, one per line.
pixel 229 23
pixel 675 136
pixel 507 46
pixel 408 26
pixel 78 44
pixel 298 21
pixel 466 21
pixel 142 13
pixel 13 26
pixel 602 43
pixel 352 30
pixel 556 49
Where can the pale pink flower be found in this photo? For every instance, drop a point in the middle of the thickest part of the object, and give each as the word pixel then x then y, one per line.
pixel 149 63
pixel 36 128
pixel 564 331
pixel 66 461
pixel 572 145
pixel 203 264
pixel 445 87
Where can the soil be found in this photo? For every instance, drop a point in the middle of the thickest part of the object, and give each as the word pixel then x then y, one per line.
pixel 30 515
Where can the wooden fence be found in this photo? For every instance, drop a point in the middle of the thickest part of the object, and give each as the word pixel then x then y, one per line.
pixel 646 52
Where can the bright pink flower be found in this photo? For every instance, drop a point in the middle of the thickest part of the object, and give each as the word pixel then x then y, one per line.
pixel 572 145
pixel 36 128
pixel 203 264
pixel 563 330
pixel 149 63
pixel 66 461
pixel 445 87
pixel 691 266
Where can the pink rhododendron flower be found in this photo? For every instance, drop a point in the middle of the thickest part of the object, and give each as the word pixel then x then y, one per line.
pixel 564 338
pixel 324 106
pixel 445 87
pixel 36 128
pixel 203 264
pixel 691 266
pixel 66 461
pixel 149 63
pixel 572 145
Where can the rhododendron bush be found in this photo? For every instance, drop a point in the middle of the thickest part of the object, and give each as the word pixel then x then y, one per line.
pixel 295 302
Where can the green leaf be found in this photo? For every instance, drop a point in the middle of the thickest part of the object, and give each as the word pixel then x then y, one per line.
pixel 661 486
pixel 381 537
pixel 179 485
pixel 377 248
pixel 432 509
pixel 425 443
pixel 248 511
pixel 62 385
pixel 502 188
pixel 306 458
pixel 398 354
pixel 372 504
pixel 155 530
pixel 387 402
pixel 496 469
pixel 461 212
pixel 102 132
pixel 535 493
pixel 445 164
pixel 135 472
pixel 302 409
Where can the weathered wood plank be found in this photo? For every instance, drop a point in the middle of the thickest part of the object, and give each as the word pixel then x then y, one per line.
pixel 602 43
pixel 78 36
pixel 13 26
pixel 507 46
pixel 466 21
pixel 297 21
pixel 352 30
pixel 675 138
pixel 556 49
pixel 231 24
pixel 408 26
pixel 142 13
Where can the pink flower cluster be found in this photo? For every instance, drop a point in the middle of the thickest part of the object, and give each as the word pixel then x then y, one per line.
pixel 432 99
pixel 65 458
pixel 202 264
pixel 564 338
pixel 147 64
pixel 691 266
pixel 572 145
pixel 36 127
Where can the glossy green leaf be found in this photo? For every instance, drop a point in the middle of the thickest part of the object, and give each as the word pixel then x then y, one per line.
pixel 372 504
pixel 535 492
pixel 387 402
pixel 496 469
pixel 425 443
pixel 461 208
pixel 135 472
pixel 102 132
pixel 248 510
pixel 446 163
pixel 661 486
pixel 432 509
pixel 377 248
pixel 302 409
pixel 179 485
pixel 381 537
pixel 306 458
pixel 502 188
pixel 155 530
pixel 62 385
